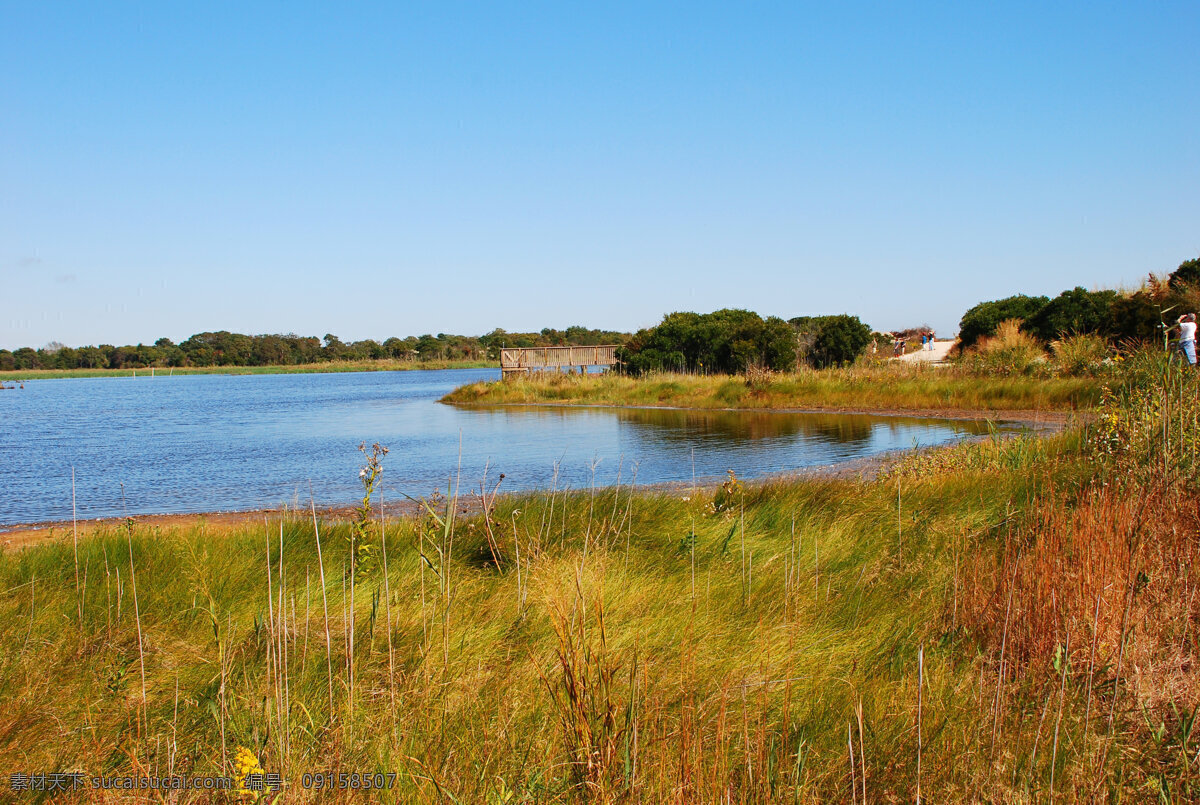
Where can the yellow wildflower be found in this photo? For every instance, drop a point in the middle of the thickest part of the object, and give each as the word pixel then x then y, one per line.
pixel 245 763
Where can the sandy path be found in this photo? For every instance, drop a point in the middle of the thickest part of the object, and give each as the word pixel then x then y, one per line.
pixel 938 354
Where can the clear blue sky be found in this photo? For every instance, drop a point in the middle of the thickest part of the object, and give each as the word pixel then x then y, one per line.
pixel 391 169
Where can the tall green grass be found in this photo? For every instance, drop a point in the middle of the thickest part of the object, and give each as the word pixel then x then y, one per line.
pixel 657 660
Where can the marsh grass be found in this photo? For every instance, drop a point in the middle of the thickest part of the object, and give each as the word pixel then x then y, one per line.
pixel 1031 639
pixel 908 387
pixel 1081 354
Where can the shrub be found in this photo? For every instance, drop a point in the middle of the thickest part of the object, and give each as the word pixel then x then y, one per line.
pixel 825 341
pixel 983 319
pixel 1188 273
pixel 1009 352
pixel 1135 316
pixel 1079 354
pixel 758 378
pixel 1071 312
pixel 723 342
pixel 1138 315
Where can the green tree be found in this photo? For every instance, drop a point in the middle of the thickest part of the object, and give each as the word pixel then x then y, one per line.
pixel 269 350
pixel 428 347
pixel 26 358
pixel 1188 273
pixel 982 320
pixel 91 358
pixel 1072 312
pixel 722 342
pixel 66 358
pixel 825 341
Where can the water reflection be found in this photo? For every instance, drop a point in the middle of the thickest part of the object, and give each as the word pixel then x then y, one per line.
pixel 669 444
pixel 204 443
pixel 687 425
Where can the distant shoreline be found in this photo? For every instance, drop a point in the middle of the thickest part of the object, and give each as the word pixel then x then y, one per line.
pixel 18 375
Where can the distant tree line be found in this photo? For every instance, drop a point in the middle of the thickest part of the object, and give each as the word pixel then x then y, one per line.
pixel 235 349
pixel 1118 317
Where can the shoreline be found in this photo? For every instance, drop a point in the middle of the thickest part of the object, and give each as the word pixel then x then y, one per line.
pixel 333 367
pixel 1052 419
pixel 17 536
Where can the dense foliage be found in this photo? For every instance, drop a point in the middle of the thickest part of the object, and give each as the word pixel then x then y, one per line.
pixel 724 342
pixel 983 319
pixel 235 349
pixel 1073 312
pixel 1118 317
pixel 825 341
pixel 1188 273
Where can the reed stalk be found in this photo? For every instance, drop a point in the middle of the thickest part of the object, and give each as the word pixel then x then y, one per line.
pixel 137 613
pixel 324 604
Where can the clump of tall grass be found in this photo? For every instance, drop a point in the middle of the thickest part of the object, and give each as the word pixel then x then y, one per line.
pixel 1148 420
pixel 1081 354
pixel 1009 352
pixel 999 452
pixel 759 378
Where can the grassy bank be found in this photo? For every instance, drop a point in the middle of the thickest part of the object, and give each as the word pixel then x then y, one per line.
pixel 1002 621
pixel 388 365
pixel 900 388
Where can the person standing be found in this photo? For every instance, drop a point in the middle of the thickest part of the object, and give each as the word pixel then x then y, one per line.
pixel 1187 337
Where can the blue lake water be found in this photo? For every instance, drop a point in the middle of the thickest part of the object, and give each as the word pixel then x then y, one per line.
pixel 219 442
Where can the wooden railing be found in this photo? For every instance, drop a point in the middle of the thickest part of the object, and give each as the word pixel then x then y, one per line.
pixel 524 359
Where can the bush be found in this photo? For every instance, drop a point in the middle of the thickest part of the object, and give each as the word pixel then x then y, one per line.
pixel 825 341
pixel 1188 273
pixel 723 342
pixel 1135 316
pixel 1009 352
pixel 1073 312
pixel 1079 354
pixel 1138 316
pixel 759 379
pixel 984 319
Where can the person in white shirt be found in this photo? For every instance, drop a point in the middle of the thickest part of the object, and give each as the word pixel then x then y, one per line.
pixel 1187 337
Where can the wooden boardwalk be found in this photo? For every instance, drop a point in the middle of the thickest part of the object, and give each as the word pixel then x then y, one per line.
pixel 520 360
